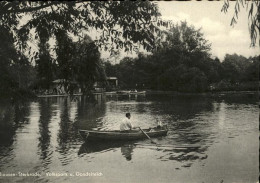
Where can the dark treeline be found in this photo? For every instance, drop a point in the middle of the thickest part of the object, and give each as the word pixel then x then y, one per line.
pixel 211 74
pixel 183 63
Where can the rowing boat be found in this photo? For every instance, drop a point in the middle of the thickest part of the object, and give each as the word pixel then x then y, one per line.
pixel 123 136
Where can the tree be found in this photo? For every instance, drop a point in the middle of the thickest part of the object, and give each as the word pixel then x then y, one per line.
pixel 16 72
pixel 184 50
pixel 86 64
pixel 213 70
pixel 252 71
pixel 126 72
pixel 191 79
pixel 44 64
pixel 187 38
pixel 7 55
pixel 182 63
pixel 110 70
pixel 122 25
pixel 234 67
pixel 253 8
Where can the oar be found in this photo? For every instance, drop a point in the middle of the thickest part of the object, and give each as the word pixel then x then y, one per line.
pixel 147 136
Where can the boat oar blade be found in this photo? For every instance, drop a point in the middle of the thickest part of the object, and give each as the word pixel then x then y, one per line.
pixel 147 136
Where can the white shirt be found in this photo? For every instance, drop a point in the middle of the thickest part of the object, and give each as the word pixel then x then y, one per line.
pixel 126 125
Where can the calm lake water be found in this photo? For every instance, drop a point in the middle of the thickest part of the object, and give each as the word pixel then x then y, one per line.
pixel 211 138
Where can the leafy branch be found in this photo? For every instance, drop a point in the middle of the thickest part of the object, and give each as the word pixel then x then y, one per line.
pixel 253 8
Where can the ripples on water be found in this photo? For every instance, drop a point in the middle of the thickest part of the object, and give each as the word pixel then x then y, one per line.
pixel 43 136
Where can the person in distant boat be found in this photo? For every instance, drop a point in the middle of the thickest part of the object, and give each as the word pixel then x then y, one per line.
pixel 126 124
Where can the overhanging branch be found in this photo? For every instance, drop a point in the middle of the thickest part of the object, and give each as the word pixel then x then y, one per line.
pixel 25 10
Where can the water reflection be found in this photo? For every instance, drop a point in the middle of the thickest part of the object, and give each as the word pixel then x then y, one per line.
pixel 127 151
pixel 12 116
pixel 181 113
pixel 67 134
pixel 90 113
pixel 44 121
pixel 7 128
pixel 222 114
pixel 186 155
pixel 182 107
pixel 92 147
pixel 179 153
pixel 66 129
pixel 197 124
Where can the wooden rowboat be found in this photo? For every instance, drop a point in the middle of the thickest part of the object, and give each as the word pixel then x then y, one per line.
pixel 123 136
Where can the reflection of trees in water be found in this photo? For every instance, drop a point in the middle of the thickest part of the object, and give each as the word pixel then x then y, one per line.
pixel 7 129
pixel 90 113
pixel 65 123
pixel 237 98
pixel 67 133
pixel 12 116
pixel 22 111
pixel 180 107
pixel 45 108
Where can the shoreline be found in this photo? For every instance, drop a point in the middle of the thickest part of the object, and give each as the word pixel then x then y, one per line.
pixel 203 93
pixel 159 92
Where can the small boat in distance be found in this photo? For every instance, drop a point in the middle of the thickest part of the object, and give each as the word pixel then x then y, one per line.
pixel 121 136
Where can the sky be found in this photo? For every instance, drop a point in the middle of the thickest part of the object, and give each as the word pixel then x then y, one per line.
pixel 215 25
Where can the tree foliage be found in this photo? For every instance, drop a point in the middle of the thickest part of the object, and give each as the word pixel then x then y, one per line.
pixel 146 73
pixel 121 25
pixel 16 72
pixel 183 63
pixel 237 68
pixel 179 64
pixel 253 8
pixel 86 64
pixel 186 38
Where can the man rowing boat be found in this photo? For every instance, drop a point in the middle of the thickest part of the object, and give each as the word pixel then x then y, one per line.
pixel 126 124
